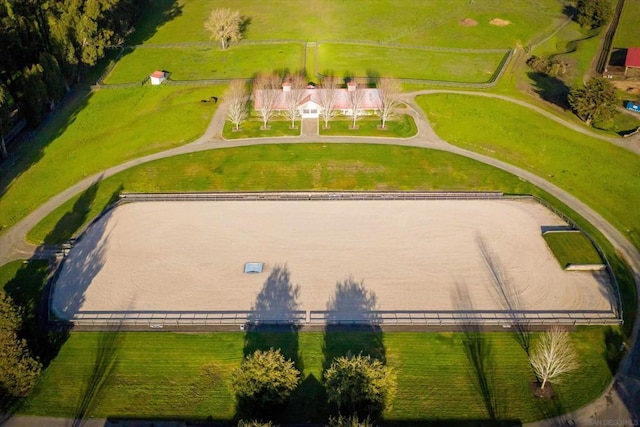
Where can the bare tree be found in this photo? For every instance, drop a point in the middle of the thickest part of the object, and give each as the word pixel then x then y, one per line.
pixel 387 91
pixel 224 26
pixel 355 97
pixel 237 98
pixel 267 90
pixel 327 97
pixel 293 89
pixel 553 355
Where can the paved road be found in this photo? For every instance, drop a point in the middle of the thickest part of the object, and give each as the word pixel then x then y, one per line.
pixel 620 405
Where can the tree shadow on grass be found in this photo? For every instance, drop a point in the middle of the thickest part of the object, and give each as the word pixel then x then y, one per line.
pixel 71 222
pixel 105 362
pixel 152 18
pixel 272 324
pixel 479 353
pixel 550 89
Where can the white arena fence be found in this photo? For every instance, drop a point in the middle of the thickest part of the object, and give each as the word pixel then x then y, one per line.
pixel 155 319
pixel 160 319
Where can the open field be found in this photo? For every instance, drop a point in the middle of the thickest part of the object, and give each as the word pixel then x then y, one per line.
pixel 581 165
pixel 627 31
pixel 201 63
pixel 110 127
pixel 189 256
pixel 432 23
pixel 435 378
pixel 372 61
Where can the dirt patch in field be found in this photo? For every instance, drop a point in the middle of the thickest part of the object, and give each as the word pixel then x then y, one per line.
pixel 499 22
pixel 632 87
pixel 469 22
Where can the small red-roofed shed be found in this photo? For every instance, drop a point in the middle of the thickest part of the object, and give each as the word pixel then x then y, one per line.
pixel 157 77
pixel 633 59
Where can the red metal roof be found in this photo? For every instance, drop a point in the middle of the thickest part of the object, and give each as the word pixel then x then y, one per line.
pixel 633 57
pixel 157 74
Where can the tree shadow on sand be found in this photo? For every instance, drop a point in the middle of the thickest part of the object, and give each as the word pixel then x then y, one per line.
pixel 507 296
pixel 273 323
pixel 353 325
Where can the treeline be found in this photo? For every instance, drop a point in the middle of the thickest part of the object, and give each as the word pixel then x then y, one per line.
pixel 47 45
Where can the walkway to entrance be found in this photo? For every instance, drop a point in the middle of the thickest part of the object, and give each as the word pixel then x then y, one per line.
pixel 309 127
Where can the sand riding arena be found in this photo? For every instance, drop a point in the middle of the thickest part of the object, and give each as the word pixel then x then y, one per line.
pixel 310 259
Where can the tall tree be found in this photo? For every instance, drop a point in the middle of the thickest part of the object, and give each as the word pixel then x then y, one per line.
pixel 596 101
pixel 553 355
pixel 34 94
pixel 82 29
pixel 52 78
pixel 266 93
pixel 237 99
pixel 225 25
pixel 359 385
pixel 4 120
pixel 387 91
pixel 593 13
pixel 294 88
pixel 328 97
pixel 18 370
pixel 355 97
pixel 264 379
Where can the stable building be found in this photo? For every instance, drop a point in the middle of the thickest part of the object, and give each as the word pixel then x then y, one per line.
pixel 632 60
pixel 310 105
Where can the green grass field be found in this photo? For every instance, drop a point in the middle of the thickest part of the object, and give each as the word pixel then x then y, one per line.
pixel 574 162
pixel 572 248
pixel 366 60
pixel 147 374
pixel 201 63
pixel 251 129
pixel 401 127
pixel 432 23
pixel 110 127
pixel 627 31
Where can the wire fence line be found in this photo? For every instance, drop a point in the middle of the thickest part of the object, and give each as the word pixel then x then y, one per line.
pixel 508 54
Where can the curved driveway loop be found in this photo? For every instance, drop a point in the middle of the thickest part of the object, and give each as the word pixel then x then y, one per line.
pixel 620 405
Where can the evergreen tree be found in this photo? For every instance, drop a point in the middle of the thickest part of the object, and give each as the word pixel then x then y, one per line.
pixel 18 370
pixel 596 101
pixel 593 13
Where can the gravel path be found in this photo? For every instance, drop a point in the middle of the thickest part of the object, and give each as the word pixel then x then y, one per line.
pixel 620 405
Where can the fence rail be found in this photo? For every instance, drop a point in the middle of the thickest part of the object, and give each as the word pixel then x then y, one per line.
pixel 321 318
pixel 300 195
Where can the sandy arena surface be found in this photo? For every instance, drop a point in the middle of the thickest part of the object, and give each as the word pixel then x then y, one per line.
pixel 410 255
